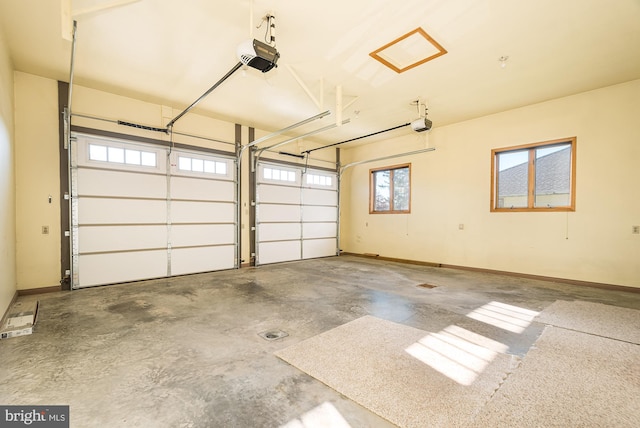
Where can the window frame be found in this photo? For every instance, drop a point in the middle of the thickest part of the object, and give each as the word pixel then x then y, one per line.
pixel 531 148
pixel 111 146
pixel 391 189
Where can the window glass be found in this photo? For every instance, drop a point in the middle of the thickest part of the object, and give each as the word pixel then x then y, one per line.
pixel 197 165
pixel 132 157
pixel 279 175
pixel 513 179
pixel 390 190
pixel 382 191
pixel 221 168
pixel 111 154
pixel 184 163
pixel 148 159
pixel 210 167
pixel 534 177
pixel 115 154
pixel 97 153
pixel 553 173
pixel 401 189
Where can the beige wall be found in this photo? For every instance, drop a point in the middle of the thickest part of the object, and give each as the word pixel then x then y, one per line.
pixel 7 183
pixel 37 178
pixel 451 186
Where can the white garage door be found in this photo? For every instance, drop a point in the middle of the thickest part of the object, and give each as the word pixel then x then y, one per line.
pixel 140 211
pixel 296 213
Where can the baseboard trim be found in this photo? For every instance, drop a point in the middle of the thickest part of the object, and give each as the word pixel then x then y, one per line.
pixel 32 291
pixel 501 272
pixel 391 259
pixel 6 312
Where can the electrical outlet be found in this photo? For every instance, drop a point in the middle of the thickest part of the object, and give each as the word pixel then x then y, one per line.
pixel 45 230
pixel 635 230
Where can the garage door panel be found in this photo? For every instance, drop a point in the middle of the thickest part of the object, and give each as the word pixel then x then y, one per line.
pixel 97 182
pixel 279 194
pixel 280 213
pixel 290 218
pixel 185 235
pixel 317 214
pixel 202 212
pixel 320 197
pixel 117 238
pixel 319 230
pixel 119 211
pixel 202 189
pixel 202 259
pixel 133 221
pixel 278 231
pixel 274 252
pixel 98 269
pixel 313 248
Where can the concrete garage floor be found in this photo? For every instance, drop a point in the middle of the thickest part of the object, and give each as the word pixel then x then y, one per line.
pixel 185 352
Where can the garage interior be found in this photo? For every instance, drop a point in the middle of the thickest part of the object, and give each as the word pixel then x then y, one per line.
pixel 309 215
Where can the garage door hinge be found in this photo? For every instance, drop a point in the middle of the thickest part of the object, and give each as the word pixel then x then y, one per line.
pixel 67 233
pixel 66 196
pixel 253 203
pixel 253 229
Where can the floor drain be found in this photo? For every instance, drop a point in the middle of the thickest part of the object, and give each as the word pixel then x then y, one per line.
pixel 273 334
pixel 427 285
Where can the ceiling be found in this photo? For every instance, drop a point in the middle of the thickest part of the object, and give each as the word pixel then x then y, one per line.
pixel 172 52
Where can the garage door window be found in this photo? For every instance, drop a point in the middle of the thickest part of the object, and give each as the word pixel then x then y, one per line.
pixel 319 180
pixel 113 154
pixel 201 165
pixel 279 175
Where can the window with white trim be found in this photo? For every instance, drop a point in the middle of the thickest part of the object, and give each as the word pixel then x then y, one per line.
pixel 279 175
pixel 206 166
pixel 319 180
pixel 112 154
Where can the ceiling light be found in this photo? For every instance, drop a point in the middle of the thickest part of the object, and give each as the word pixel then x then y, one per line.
pixel 503 61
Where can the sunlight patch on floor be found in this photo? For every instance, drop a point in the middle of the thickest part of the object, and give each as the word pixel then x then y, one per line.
pixel 457 353
pixel 322 416
pixel 507 317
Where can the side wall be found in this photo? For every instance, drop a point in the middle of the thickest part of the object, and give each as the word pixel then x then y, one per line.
pixel 451 187
pixel 37 180
pixel 7 182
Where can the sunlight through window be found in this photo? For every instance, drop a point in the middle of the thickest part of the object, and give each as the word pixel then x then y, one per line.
pixel 324 415
pixel 506 317
pixel 459 354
